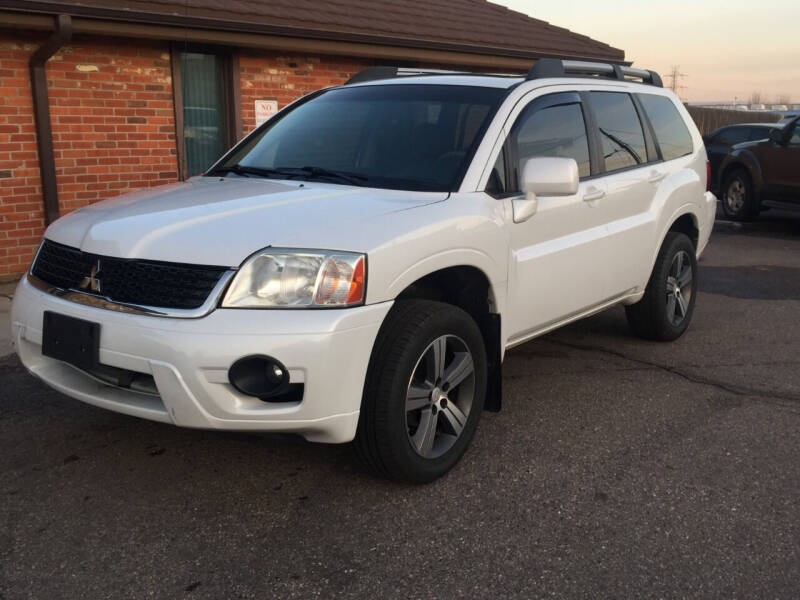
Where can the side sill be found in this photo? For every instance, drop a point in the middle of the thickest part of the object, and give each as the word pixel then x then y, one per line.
pixel 629 297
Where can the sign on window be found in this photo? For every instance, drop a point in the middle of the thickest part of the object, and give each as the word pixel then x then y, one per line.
pixel 265 109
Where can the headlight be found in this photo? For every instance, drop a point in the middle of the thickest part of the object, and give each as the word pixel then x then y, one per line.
pixel 276 278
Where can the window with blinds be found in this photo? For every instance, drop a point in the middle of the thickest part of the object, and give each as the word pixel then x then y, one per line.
pixel 205 110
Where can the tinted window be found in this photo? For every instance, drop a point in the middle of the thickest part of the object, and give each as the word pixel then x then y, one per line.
pixel 620 130
pixel 795 139
pixel 671 133
pixel 759 133
pixel 732 135
pixel 415 137
pixel 553 131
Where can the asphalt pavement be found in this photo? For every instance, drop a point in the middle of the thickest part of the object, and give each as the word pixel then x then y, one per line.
pixel 617 468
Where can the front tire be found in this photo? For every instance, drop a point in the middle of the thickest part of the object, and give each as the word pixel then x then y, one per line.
pixel 738 199
pixel 665 310
pixel 424 392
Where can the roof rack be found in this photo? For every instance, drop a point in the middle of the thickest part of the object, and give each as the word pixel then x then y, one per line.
pixel 554 67
pixel 544 67
pixel 375 73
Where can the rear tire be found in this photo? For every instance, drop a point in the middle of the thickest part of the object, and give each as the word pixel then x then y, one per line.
pixel 738 198
pixel 665 310
pixel 414 425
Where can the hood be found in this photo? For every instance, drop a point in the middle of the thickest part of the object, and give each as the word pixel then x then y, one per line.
pixel 221 221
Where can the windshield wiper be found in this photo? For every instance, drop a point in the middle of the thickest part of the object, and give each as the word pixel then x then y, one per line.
pixel 351 178
pixel 293 172
pixel 627 147
pixel 245 171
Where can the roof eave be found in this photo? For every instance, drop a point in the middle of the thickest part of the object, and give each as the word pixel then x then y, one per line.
pixel 45 7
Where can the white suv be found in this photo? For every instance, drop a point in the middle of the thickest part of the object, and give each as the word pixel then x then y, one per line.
pixel 357 266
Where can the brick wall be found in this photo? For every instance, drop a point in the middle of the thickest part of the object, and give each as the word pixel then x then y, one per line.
pixel 113 131
pixel 113 119
pixel 21 210
pixel 274 76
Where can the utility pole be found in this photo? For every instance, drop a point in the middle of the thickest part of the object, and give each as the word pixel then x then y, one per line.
pixel 674 76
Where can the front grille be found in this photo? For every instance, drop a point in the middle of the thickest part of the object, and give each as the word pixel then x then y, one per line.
pixel 130 281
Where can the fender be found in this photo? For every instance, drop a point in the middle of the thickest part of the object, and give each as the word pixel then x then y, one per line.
pixel 686 209
pixel 456 257
pixel 489 323
pixel 744 158
pixel 674 199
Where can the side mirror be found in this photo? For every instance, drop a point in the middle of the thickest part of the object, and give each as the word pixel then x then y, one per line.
pixel 545 176
pixel 550 176
pixel 776 135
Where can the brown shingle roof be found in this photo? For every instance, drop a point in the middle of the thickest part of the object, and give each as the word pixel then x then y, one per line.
pixel 473 25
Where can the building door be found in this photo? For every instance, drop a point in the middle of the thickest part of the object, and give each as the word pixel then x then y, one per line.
pixel 205 106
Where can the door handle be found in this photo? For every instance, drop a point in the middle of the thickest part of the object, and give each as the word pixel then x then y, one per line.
pixel 592 195
pixel 655 177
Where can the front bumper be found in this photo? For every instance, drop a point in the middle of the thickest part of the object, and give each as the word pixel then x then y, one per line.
pixel 326 350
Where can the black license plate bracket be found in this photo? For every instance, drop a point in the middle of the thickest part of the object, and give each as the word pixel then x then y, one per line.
pixel 72 340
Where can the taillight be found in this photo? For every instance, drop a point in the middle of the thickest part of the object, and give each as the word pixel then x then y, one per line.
pixel 708 176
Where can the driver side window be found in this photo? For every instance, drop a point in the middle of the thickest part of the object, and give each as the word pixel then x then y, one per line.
pixel 795 139
pixel 548 127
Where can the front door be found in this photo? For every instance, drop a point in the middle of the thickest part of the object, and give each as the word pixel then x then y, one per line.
pixel 558 255
pixel 781 164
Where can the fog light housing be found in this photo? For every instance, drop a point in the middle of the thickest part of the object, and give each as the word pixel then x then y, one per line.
pixel 259 375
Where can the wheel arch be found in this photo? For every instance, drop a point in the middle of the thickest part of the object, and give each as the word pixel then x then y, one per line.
pixel 468 287
pixel 743 160
pixel 683 220
pixel 688 224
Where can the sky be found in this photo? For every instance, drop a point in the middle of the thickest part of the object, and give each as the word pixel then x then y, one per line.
pixel 726 48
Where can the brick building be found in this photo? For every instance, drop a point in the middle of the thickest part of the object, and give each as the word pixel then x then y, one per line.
pixel 106 97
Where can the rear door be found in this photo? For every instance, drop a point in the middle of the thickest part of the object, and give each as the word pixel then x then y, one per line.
pixel 633 172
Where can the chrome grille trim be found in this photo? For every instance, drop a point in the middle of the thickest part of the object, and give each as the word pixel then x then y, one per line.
pixel 97 301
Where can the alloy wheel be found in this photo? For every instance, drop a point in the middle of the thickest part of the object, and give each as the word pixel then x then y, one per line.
pixel 736 195
pixel 439 396
pixel 679 287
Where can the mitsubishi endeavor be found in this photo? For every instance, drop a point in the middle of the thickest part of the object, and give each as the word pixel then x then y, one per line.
pixel 356 268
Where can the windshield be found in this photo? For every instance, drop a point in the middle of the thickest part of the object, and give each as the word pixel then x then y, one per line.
pixel 409 136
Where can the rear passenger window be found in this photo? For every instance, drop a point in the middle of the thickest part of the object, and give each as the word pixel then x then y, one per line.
pixel 620 130
pixel 758 133
pixel 671 133
pixel 728 137
pixel 553 131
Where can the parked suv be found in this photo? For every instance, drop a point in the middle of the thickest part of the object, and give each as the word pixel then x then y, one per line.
pixel 356 268
pixel 720 141
pixel 763 173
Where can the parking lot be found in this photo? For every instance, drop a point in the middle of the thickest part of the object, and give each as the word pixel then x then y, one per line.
pixel 617 468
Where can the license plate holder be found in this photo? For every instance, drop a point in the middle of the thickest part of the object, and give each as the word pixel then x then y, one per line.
pixel 74 341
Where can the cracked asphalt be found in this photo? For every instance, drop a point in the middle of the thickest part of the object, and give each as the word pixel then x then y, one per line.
pixel 617 468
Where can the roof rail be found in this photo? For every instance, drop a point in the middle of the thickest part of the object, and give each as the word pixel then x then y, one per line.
pixel 376 73
pixel 544 67
pixel 554 67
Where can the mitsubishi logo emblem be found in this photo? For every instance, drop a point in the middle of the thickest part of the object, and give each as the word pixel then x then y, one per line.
pixel 92 283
